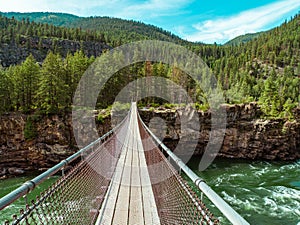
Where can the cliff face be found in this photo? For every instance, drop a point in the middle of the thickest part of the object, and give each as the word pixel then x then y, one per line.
pixel 246 137
pixel 48 148
pixel 15 53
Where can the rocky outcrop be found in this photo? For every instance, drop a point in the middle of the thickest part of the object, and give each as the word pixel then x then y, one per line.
pixel 246 136
pixel 14 53
pixel 54 141
pixel 49 147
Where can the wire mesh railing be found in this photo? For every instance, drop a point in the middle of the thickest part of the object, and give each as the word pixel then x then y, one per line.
pixel 176 202
pixel 75 198
pixel 224 208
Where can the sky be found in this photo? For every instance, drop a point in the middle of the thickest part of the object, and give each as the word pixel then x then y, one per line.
pixel 194 20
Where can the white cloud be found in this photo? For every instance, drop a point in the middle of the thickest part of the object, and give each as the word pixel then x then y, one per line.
pixel 68 6
pixel 117 8
pixel 23 6
pixel 223 29
pixel 217 30
pixel 154 8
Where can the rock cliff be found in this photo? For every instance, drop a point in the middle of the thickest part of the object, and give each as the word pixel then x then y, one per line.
pixel 246 136
pixel 14 53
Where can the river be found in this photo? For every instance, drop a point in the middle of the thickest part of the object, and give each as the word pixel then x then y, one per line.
pixel 262 192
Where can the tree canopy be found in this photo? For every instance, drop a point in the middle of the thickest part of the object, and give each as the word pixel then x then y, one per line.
pixel 265 69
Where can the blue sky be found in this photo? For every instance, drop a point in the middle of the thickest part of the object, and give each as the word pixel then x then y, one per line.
pixel 195 20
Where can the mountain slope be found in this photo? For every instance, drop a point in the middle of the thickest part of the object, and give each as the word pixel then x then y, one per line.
pixel 243 38
pixel 57 19
pixel 265 69
pixel 19 39
pixel 115 31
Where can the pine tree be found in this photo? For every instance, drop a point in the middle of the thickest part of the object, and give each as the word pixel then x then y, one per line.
pixel 75 66
pixel 287 109
pixel 52 92
pixel 269 99
pixel 6 91
pixel 29 76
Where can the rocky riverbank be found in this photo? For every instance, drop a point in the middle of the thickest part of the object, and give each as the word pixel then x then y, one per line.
pixel 247 136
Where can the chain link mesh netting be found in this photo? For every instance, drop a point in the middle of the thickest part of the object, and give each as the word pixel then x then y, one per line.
pixel 76 197
pixel 176 203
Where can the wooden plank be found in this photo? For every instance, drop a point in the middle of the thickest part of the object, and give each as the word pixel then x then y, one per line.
pixel 136 201
pixel 149 206
pixel 108 208
pixel 122 205
pixel 130 199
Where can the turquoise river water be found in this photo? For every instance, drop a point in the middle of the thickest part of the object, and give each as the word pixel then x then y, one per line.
pixel 263 193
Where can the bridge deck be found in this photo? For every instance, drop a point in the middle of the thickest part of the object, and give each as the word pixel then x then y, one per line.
pixel 129 199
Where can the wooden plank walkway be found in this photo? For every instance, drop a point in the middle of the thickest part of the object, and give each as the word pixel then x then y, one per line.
pixel 129 199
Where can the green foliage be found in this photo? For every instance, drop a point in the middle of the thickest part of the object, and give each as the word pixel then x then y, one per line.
pixel 169 105
pixel 57 19
pixel 155 105
pixel 103 114
pixel 30 130
pixel 52 94
pixel 26 78
pixel 38 37
pixel 264 69
pixel 287 109
pixel 6 90
pixel 151 109
pixel 280 94
pixel 49 89
pixel 269 100
pixel 201 107
pixel 243 39
pixel 105 29
pixel 121 106
pixel 74 67
pixel 100 118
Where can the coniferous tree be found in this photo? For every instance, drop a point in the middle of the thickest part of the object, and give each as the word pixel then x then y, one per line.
pixel 269 99
pixel 51 95
pixel 6 91
pixel 29 77
pixel 75 66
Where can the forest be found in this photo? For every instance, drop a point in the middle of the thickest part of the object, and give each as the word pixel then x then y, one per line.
pixel 265 68
pixel 113 31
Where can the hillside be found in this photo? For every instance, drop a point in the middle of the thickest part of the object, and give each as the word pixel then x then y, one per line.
pixel 113 30
pixel 243 38
pixel 56 19
pixel 19 39
pixel 265 69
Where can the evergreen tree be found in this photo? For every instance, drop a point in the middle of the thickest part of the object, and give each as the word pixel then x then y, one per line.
pixel 52 92
pixel 75 66
pixel 6 90
pixel 269 99
pixel 28 77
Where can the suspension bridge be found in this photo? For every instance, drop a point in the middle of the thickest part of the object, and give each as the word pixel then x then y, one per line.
pixel 126 177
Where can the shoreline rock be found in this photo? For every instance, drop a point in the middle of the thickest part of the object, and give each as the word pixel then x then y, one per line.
pixel 247 136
